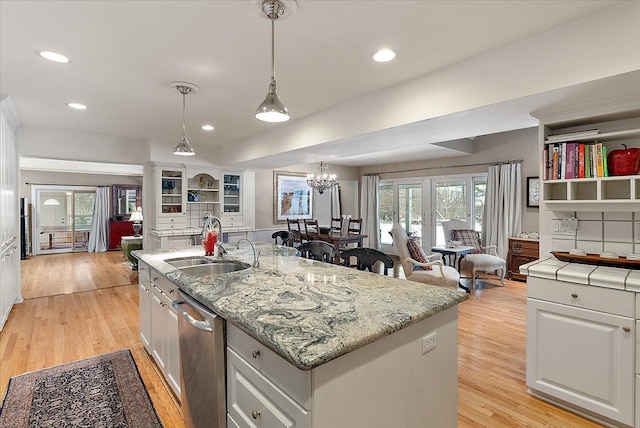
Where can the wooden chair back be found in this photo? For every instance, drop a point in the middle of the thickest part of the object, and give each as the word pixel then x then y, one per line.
pixel 311 230
pixel 286 237
pixel 355 226
pixel 318 250
pixel 293 224
pixel 366 258
pixel 336 225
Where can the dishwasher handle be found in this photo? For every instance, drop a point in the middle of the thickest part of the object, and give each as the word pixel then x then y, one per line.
pixel 200 325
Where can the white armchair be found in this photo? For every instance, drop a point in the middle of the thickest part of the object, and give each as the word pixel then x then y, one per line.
pixel 436 273
pixel 486 259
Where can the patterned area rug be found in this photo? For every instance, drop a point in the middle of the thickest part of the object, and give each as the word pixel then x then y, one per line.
pixel 104 391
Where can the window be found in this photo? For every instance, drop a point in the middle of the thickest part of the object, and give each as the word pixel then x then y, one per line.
pixel 400 201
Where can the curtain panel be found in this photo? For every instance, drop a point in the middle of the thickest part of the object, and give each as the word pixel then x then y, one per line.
pixel 98 237
pixel 503 206
pixel 369 211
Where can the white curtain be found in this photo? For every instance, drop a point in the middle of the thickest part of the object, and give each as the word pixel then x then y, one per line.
pixel 369 211
pixel 98 237
pixel 335 201
pixel 502 216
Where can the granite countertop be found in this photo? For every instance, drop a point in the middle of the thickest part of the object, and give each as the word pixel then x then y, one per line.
pixel 308 312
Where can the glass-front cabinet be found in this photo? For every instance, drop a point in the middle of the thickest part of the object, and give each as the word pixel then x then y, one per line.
pixel 172 200
pixel 232 193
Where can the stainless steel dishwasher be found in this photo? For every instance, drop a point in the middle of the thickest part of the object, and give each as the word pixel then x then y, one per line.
pixel 202 364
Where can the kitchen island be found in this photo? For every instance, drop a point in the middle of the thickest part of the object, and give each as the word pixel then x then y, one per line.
pixel 349 348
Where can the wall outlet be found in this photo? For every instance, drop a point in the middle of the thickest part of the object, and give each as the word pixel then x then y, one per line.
pixel 566 227
pixel 429 342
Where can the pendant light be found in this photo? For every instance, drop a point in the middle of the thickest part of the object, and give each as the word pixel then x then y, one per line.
pixel 272 109
pixel 184 148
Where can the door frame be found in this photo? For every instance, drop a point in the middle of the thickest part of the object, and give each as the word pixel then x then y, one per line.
pixel 35 215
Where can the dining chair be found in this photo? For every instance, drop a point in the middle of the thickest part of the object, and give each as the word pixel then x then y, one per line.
pixel 336 225
pixel 481 258
pixel 355 226
pixel 429 271
pixel 311 230
pixel 318 250
pixel 366 258
pixel 285 236
pixel 293 224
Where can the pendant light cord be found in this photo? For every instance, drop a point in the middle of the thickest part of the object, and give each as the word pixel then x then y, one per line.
pixel 184 114
pixel 273 49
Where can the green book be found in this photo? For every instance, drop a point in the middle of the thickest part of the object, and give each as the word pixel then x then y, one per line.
pixel 587 161
pixel 604 162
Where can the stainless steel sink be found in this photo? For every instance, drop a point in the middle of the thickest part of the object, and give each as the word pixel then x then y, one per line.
pixel 182 262
pixel 215 267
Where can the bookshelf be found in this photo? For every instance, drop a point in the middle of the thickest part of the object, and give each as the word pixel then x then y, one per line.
pixel 581 191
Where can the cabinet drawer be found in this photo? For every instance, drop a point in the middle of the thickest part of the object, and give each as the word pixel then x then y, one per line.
pixel 295 382
pixel 252 400
pixel 166 286
pixel 601 299
pixel 231 221
pixel 164 223
pixel 143 271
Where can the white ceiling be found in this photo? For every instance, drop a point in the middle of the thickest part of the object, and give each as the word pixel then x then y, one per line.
pixel 124 54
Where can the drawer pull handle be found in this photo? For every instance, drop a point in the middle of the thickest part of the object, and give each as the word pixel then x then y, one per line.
pixel 626 329
pixel 171 291
pixel 574 295
pixel 256 354
pixel 255 414
pixel 155 279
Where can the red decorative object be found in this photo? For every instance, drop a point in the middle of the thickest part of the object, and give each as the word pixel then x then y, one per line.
pixel 209 242
pixel 118 229
pixel 624 161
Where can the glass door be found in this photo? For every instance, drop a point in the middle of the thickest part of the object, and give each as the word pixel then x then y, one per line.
pixel 457 198
pixel 400 201
pixel 231 194
pixel 62 219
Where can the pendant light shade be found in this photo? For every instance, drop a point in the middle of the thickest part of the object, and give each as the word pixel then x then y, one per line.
pixel 184 148
pixel 272 108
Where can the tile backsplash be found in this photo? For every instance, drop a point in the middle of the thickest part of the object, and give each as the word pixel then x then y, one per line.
pixel 195 213
pixel 599 231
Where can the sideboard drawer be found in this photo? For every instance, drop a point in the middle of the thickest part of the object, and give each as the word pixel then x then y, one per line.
pixel 602 299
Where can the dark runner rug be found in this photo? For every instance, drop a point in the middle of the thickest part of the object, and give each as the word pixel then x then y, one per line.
pixel 103 391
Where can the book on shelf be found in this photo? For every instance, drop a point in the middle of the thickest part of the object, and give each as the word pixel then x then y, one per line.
pixel 555 161
pixel 546 164
pixel 599 165
pixel 581 171
pixel 562 166
pixel 570 160
pixel 605 169
pixel 569 135
pixel 587 161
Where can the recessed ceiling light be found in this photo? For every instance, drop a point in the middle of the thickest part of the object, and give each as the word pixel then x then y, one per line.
pixel 77 106
pixel 207 127
pixel 55 57
pixel 384 55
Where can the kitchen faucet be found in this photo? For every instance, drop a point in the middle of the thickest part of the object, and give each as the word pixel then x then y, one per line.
pixel 256 261
pixel 209 221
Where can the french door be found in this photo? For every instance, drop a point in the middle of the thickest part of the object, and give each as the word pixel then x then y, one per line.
pixel 459 197
pixel 401 201
pixel 62 218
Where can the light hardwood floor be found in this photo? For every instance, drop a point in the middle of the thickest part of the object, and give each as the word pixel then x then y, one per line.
pixel 46 331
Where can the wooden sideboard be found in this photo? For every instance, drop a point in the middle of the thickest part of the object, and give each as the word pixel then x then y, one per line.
pixel 521 251
pixel 118 229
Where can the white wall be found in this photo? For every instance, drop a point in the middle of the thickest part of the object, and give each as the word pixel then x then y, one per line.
pixel 347 178
pixel 522 144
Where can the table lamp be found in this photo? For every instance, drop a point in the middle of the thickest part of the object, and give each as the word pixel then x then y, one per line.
pixel 136 218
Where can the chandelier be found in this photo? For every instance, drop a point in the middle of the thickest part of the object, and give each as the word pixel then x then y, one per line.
pixel 321 180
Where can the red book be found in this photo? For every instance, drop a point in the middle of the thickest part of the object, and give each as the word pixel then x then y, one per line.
pixel 581 161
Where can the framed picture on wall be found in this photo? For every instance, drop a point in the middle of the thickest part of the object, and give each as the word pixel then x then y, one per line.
pixel 533 191
pixel 292 197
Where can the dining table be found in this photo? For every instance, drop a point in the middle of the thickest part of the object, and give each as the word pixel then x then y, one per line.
pixel 339 239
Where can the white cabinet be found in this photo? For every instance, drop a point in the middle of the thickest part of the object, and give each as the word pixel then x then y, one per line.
pixel 144 300
pixel 232 193
pixel 165 347
pixel 165 198
pixel 9 192
pixel 613 193
pixel 579 354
